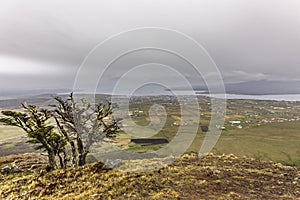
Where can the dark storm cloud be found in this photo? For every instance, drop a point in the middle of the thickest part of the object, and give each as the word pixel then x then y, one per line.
pixel 43 43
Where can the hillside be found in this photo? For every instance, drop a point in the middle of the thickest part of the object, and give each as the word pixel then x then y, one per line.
pixel 212 177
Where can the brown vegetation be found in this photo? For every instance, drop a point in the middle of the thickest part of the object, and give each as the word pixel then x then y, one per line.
pixel 211 177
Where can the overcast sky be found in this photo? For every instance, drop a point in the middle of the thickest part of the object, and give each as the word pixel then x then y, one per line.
pixel 43 43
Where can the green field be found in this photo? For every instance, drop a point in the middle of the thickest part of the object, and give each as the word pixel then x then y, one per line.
pixel 277 142
pixel 7 132
pixel 12 141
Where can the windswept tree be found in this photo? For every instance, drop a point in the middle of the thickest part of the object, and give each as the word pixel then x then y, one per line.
pixel 35 122
pixel 83 124
pixel 69 137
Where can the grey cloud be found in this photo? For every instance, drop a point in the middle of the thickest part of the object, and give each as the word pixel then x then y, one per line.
pixel 239 76
pixel 248 40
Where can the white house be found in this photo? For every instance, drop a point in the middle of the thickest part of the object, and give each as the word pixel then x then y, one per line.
pixel 233 123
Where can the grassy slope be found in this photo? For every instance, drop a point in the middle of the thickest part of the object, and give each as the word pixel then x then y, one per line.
pixel 279 142
pixel 212 177
pixel 7 132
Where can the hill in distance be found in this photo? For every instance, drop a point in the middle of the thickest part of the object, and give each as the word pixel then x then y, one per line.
pixel 261 87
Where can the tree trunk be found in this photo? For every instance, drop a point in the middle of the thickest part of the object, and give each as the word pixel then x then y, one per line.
pixel 72 144
pixel 61 162
pixel 82 152
pixel 74 153
pixel 82 159
pixel 65 158
pixel 52 162
pixel 50 151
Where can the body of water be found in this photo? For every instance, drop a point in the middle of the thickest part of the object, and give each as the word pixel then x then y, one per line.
pixel 277 97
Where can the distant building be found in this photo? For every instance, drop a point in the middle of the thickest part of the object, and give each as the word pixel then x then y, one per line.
pixel 233 123
pixel 240 126
pixel 220 127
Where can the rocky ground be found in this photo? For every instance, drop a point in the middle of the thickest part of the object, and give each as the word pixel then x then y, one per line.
pixel 211 177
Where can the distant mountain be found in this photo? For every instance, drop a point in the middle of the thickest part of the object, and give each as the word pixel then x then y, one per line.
pixel 12 99
pixel 23 93
pixel 262 87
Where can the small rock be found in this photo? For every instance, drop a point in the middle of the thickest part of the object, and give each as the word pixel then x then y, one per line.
pixel 10 169
pixel 113 164
pixel 6 170
pixel 279 182
pixel 17 170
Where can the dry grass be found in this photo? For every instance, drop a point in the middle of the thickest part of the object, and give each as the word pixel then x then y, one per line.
pixel 212 177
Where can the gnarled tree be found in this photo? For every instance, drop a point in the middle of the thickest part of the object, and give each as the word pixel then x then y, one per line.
pixel 83 124
pixel 79 126
pixel 35 122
